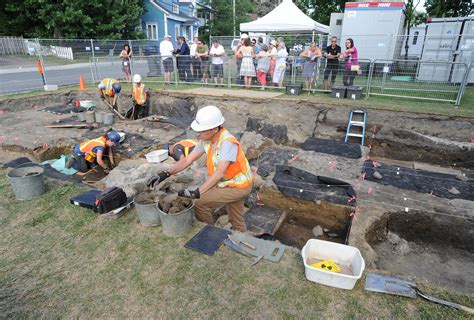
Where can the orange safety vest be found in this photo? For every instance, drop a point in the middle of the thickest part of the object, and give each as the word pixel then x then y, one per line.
pixel 139 93
pixel 238 174
pixel 88 146
pixel 187 144
pixel 109 82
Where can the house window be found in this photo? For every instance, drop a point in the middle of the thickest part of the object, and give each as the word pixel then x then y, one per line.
pixel 194 13
pixel 338 22
pixel 175 8
pixel 176 30
pixel 415 37
pixel 152 31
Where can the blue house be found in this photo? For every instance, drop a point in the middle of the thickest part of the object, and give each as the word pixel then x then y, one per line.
pixel 173 17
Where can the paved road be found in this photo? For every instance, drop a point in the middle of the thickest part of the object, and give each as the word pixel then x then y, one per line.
pixel 28 79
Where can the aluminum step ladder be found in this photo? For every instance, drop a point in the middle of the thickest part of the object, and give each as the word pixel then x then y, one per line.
pixel 357 118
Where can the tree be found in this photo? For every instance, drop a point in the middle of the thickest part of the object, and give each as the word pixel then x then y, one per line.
pixel 74 19
pixel 320 10
pixel 448 8
pixel 222 23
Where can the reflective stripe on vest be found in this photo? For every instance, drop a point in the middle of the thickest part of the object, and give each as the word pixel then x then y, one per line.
pixel 88 146
pixel 109 82
pixel 139 93
pixel 187 144
pixel 238 174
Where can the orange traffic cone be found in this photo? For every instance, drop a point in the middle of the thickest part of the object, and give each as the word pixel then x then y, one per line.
pixel 82 83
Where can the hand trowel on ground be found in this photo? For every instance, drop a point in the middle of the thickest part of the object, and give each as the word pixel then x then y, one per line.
pixel 404 287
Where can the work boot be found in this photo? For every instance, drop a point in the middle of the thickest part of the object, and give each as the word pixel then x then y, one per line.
pixel 326 85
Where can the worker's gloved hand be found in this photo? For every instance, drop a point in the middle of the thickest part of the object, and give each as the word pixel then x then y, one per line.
pixel 193 194
pixel 156 179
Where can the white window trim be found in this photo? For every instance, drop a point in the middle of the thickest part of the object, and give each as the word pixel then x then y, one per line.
pixel 175 8
pixel 156 30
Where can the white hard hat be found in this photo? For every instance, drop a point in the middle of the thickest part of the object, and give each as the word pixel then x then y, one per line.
pixel 207 118
pixel 101 85
pixel 137 78
pixel 244 36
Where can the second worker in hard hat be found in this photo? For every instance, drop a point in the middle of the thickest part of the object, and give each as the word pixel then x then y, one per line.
pixel 109 90
pixel 140 95
pixel 230 177
pixel 90 152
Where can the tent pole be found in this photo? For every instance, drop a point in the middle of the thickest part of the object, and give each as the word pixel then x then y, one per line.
pixel 313 37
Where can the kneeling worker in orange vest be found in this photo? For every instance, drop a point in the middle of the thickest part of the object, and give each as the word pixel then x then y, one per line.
pixel 140 98
pixel 230 178
pixel 86 154
pixel 109 90
pixel 180 149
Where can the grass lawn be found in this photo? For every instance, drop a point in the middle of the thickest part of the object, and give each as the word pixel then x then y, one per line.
pixel 59 260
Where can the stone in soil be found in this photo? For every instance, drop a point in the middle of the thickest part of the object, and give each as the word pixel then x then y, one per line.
pixel 318 231
pixel 453 190
pixel 462 177
pixel 393 238
pixel 173 204
pixel 377 175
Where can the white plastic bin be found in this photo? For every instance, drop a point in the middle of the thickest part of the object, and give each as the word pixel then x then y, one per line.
pixel 157 156
pixel 345 256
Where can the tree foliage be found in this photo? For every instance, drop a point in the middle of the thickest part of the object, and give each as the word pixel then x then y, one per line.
pixel 222 24
pixel 448 8
pixel 73 18
pixel 320 10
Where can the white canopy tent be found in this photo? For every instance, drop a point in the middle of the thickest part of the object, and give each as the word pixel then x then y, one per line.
pixel 287 17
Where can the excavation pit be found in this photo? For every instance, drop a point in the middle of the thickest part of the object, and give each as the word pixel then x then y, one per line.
pixel 419 244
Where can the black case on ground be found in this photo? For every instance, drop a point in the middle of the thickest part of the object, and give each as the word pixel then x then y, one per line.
pixel 294 89
pixel 110 199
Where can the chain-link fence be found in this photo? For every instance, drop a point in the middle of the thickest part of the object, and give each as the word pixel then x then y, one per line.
pixel 28 64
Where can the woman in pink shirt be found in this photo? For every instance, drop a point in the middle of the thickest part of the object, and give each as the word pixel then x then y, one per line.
pixel 351 65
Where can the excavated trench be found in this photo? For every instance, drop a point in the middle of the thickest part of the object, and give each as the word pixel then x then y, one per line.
pixel 398 238
pixel 420 244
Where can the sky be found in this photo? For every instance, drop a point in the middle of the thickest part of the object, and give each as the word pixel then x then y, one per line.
pixel 421 6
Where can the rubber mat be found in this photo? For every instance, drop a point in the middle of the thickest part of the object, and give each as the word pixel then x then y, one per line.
pixel 262 219
pixel 59 109
pixel 272 157
pixel 208 240
pixel 49 171
pixel 270 250
pixel 293 182
pixel 334 147
pixel 437 184
pixel 16 162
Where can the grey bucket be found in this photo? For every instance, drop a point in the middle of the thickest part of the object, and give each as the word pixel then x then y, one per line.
pixel 175 225
pixel 27 181
pixel 108 118
pixel 90 116
pixel 99 117
pixel 148 214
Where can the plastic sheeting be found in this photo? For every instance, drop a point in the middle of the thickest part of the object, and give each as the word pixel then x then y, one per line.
pixel 333 147
pixel 293 182
pixel 437 184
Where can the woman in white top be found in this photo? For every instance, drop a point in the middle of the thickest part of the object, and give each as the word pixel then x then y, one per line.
pixel 247 68
pixel 272 53
pixel 280 65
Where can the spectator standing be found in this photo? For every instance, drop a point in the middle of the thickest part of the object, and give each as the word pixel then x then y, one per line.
pixel 195 61
pixel 217 53
pixel 238 58
pixel 280 65
pixel 247 69
pixel 272 52
pixel 310 57
pixel 184 62
pixel 166 52
pixel 351 64
pixel 263 65
pixel 202 53
pixel 126 56
pixel 332 54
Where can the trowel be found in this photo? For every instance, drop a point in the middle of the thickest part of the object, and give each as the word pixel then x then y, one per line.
pixel 404 287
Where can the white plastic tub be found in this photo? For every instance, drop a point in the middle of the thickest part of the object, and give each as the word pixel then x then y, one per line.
pixel 345 256
pixel 157 156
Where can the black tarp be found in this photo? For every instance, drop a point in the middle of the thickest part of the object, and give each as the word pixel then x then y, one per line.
pixel 49 171
pixel 270 158
pixel 420 181
pixel 333 147
pixel 132 144
pixel 278 133
pixel 293 182
pixel 59 109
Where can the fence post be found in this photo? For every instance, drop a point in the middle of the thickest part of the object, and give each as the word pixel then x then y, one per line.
pixel 463 84
pixel 175 63
pixel 93 62
pixel 229 73
pixel 369 79
pixel 131 60
pixel 40 56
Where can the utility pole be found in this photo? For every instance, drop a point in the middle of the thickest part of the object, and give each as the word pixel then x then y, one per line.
pixel 233 11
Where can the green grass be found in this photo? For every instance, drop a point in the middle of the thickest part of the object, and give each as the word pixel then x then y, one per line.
pixel 59 260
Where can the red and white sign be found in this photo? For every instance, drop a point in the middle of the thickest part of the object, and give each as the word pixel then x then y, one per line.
pixel 361 5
